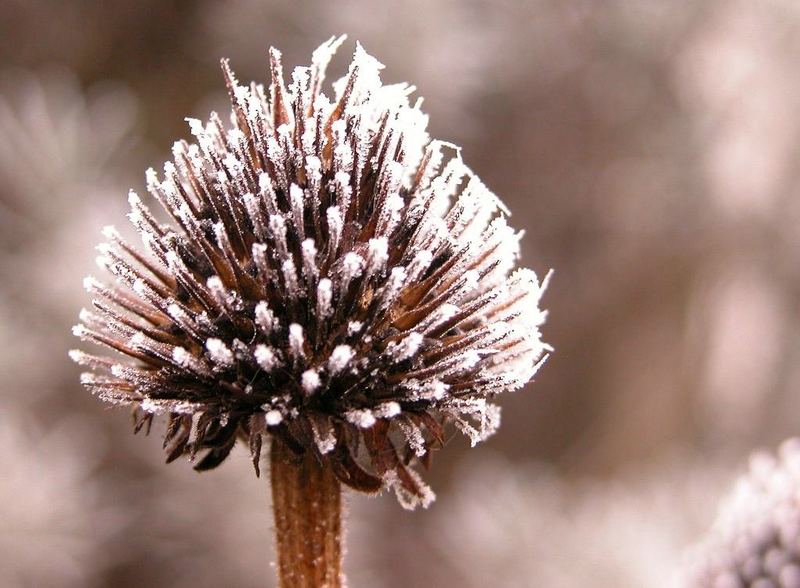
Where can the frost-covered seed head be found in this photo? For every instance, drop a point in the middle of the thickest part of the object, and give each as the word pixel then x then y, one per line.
pixel 328 274
pixel 755 539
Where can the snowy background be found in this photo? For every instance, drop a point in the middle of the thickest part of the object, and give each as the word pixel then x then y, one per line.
pixel 650 149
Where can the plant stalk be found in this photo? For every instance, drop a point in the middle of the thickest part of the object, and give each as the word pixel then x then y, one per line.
pixel 307 507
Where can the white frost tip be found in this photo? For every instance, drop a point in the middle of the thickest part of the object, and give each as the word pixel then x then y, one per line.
pixel 387 410
pixel 133 199
pixel 278 226
pixel 471 280
pixel 140 287
pixel 394 202
pixel 196 127
pixel 500 329
pixel 104 262
pixel 233 164
pixel 266 358
pixel 310 381
pixel 430 390
pixel 148 405
pixel 309 248
pixel 290 277
pixel 406 348
pixel 79 330
pixel 422 260
pixel 296 192
pixel 219 353
pixel 469 359
pixel 447 311
pixel 264 183
pixel 296 340
pixel 265 318
pixel 138 340
pixel 340 357
pixel 176 312
pixel 273 417
pixel 352 266
pixel 354 327
pixel 91 284
pixel 110 232
pixel 362 418
pixel 335 222
pixel 324 297
pixel 309 257
pixel 88 378
pixel 378 254
pixel 326 444
pixel 182 357
pixel 215 283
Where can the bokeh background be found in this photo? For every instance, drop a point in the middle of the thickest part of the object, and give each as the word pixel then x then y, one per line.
pixel 650 149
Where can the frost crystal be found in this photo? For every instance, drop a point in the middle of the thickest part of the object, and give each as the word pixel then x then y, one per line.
pixel 218 352
pixel 363 418
pixel 339 358
pixel 265 357
pixel 328 274
pixel 273 417
pixel 310 381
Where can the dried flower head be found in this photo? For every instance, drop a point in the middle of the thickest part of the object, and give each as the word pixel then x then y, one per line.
pixel 755 540
pixel 327 275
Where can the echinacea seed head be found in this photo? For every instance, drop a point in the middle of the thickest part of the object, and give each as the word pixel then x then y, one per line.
pixel 330 276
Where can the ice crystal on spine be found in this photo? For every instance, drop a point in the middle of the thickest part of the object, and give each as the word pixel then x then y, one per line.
pixel 755 540
pixel 328 274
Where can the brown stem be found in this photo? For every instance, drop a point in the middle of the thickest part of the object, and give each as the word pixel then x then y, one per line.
pixel 307 505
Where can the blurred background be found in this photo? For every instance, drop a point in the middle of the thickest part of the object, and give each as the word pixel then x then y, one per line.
pixel 649 149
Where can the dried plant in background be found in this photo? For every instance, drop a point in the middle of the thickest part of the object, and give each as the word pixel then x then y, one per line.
pixel 62 146
pixel 330 277
pixel 755 540
pixel 48 488
pixel 63 149
pixel 516 526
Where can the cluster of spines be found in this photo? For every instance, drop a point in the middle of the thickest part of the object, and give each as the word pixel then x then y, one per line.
pixel 326 276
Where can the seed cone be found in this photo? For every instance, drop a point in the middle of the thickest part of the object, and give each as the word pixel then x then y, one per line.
pixel 325 274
